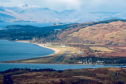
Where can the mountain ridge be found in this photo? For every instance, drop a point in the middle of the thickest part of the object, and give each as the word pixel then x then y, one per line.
pixel 83 33
pixel 46 15
pixel 102 32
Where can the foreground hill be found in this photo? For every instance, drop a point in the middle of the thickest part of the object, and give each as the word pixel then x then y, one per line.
pixel 111 33
pixel 81 76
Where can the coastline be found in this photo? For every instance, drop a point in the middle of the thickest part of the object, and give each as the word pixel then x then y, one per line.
pixel 62 54
pixel 56 51
pixel 44 45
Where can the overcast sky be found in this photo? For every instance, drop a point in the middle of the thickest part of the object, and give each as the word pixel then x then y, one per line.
pixel 60 5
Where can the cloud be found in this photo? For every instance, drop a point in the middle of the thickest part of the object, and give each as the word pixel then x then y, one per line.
pixel 83 9
pixel 104 5
pixel 58 5
pixel 63 4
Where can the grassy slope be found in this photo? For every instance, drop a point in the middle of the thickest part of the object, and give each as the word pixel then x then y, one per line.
pixel 101 33
pixel 110 33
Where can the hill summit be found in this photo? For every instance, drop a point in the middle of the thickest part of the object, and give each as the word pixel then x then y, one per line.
pixel 112 33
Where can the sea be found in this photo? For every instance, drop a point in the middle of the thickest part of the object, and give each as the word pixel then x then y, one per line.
pixel 11 50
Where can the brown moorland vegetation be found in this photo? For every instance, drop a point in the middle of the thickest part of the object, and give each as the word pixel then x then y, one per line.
pixel 48 76
pixel 112 33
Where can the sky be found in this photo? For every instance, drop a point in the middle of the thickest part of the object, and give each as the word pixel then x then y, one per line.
pixel 61 5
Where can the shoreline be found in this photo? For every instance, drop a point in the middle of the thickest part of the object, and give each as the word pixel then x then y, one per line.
pixel 41 45
pixel 44 45
pixel 70 64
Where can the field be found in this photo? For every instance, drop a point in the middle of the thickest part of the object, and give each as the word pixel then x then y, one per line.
pixel 120 52
pixel 101 49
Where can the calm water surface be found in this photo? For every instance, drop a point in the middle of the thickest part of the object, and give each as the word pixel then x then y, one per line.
pixel 10 50
pixel 6 66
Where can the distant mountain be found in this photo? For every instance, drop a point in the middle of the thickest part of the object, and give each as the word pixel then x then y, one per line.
pixel 46 15
pixel 2 9
pixel 6 18
pixel 1 21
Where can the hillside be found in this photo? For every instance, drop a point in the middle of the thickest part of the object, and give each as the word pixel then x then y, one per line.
pixel 28 32
pixel 48 76
pixel 111 33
